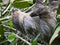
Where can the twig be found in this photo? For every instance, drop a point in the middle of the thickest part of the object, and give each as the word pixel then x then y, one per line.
pixel 4 41
pixel 8 17
pixel 6 21
pixel 9 27
pixel 6 9
pixel 22 39
pixel 30 8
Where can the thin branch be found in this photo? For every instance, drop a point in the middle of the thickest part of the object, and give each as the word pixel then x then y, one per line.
pixel 8 17
pixel 22 39
pixel 6 9
pixel 4 41
pixel 6 21
pixel 9 27
pixel 30 8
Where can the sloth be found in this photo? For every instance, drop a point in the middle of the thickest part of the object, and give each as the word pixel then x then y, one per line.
pixel 24 22
pixel 33 25
pixel 38 19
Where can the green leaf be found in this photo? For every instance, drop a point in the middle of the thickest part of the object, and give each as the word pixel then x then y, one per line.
pixel 22 4
pixel 0 5
pixel 57 25
pixel 35 40
pixel 56 33
pixel 13 43
pixel 29 1
pixel 0 0
pixel 11 24
pixel 11 37
pixel 1 32
pixel 18 0
pixel 58 10
pixel 58 18
pixel 46 1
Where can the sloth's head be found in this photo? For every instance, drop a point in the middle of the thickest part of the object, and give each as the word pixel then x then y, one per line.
pixel 15 11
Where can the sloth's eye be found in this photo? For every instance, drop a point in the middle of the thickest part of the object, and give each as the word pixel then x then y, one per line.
pixel 14 9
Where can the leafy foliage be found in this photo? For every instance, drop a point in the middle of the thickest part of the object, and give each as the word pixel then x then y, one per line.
pixel 6 25
pixel 11 37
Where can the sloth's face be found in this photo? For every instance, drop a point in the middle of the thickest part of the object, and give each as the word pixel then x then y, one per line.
pixel 15 12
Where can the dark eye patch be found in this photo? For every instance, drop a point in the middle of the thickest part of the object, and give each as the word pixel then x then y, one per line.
pixel 14 9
